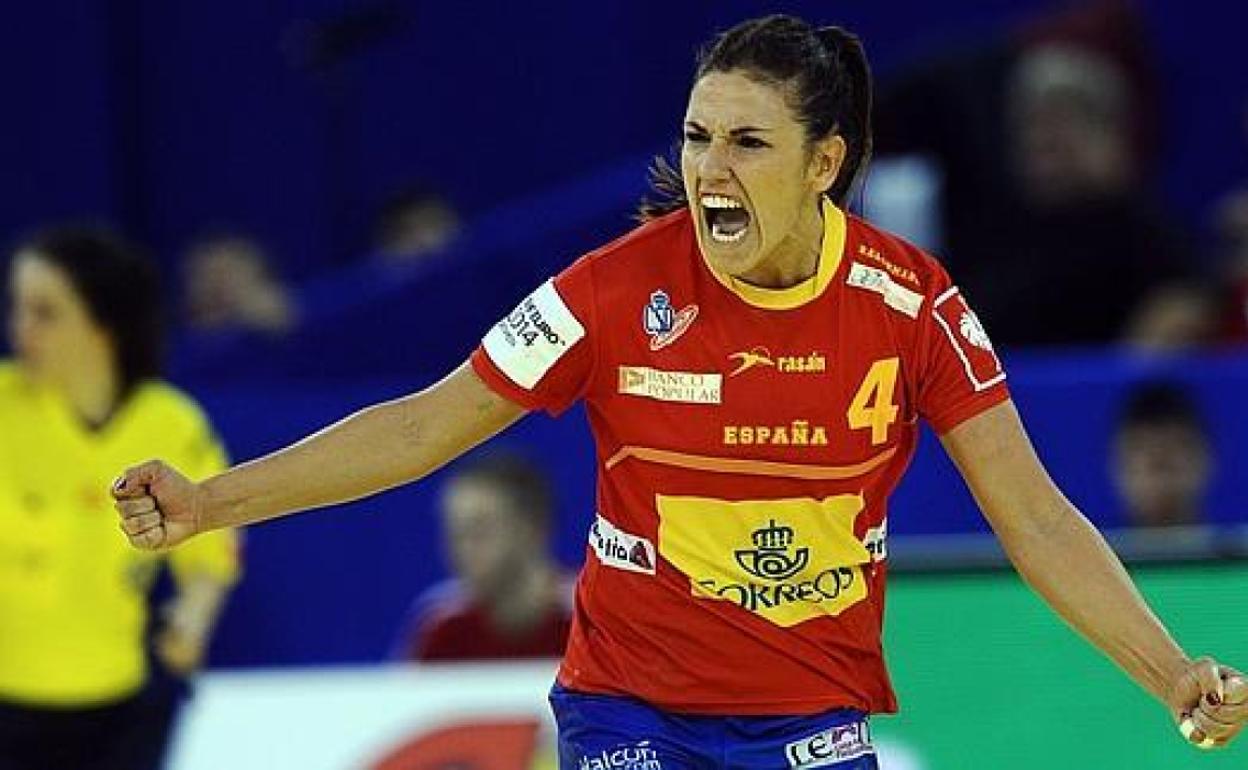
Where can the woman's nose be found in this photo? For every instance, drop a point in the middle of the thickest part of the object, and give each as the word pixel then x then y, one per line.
pixel 714 164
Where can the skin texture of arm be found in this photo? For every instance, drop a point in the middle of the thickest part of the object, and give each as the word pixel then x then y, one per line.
pixel 1060 554
pixel 376 448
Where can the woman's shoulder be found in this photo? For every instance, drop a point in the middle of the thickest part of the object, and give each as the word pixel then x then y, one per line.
pixel 164 402
pixel 904 262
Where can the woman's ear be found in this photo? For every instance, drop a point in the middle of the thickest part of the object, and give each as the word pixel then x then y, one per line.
pixel 826 161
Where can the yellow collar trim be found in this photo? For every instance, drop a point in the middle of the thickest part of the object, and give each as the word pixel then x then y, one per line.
pixel 799 294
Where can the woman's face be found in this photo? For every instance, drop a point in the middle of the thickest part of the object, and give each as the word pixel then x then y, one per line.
pixel 50 327
pixel 749 172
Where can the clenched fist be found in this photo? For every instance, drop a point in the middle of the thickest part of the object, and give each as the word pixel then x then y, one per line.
pixel 159 507
pixel 1210 703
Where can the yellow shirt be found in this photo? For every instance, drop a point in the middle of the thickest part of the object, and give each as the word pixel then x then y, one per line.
pixel 72 589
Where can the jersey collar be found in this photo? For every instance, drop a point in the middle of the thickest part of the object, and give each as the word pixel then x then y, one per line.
pixel 808 290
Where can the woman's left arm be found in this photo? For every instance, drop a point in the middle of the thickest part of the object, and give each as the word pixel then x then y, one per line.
pixel 1065 559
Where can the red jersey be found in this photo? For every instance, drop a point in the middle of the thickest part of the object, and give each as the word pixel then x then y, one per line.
pixel 747 442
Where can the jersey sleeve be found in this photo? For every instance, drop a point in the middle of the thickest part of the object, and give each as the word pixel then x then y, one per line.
pixel 961 375
pixel 541 355
pixel 216 553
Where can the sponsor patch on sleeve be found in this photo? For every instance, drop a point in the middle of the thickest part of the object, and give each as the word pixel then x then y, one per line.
pixel 896 296
pixel 969 339
pixel 530 341
pixel 616 548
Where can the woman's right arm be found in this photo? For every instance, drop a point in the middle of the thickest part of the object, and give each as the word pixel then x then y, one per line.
pixel 376 448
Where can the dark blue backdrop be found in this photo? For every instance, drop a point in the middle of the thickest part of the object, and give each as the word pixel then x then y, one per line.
pixel 175 117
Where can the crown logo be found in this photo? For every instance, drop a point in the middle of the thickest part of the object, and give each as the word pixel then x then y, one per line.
pixel 770 559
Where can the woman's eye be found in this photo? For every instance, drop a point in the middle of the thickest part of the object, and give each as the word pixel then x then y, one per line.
pixel 695 136
pixel 751 142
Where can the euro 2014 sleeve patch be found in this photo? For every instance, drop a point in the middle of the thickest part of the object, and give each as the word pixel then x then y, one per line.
pixel 969 339
pixel 532 338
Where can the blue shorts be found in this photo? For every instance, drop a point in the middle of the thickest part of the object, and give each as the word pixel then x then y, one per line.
pixel 602 732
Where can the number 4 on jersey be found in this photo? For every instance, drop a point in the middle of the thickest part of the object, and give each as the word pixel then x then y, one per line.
pixel 873 406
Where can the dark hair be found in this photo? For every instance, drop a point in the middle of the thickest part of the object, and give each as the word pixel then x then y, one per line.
pixel 118 284
pixel 1160 403
pixel 828 83
pixel 524 484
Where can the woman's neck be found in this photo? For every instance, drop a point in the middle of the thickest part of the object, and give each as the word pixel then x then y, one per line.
pixel 794 259
pixel 93 392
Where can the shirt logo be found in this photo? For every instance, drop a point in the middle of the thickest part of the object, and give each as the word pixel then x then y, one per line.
pixel 796 433
pixel 831 746
pixel 969 340
pixel 663 323
pixel 617 548
pixel 769 558
pixel 813 363
pixel 785 560
pixel 749 359
pixel 895 295
pixel 679 387
pixel 970 328
pixel 530 341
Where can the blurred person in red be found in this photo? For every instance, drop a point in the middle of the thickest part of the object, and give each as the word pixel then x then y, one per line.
pixel 509 598
pixel 1163 460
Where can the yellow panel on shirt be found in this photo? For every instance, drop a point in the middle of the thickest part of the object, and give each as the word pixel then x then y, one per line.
pixel 72 590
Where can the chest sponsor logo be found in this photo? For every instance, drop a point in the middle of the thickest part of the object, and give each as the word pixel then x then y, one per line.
pixel 663 322
pixel 761 357
pixel 638 756
pixel 528 342
pixel 679 387
pixel 969 339
pixel 616 548
pixel 787 560
pixel 795 433
pixel 836 744
pixel 896 296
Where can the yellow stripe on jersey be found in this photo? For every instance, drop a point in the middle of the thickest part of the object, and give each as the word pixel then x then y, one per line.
pixel 830 256
pixel 750 467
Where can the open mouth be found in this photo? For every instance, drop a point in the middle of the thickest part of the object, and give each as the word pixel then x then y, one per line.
pixel 726 218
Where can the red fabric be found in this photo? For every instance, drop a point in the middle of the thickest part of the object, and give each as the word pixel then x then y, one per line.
pixel 467 633
pixel 653 631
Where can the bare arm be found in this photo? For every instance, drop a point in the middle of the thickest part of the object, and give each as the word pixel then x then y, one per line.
pixel 1060 554
pixel 374 449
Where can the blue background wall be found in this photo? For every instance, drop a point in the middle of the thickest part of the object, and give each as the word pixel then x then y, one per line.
pixel 175 117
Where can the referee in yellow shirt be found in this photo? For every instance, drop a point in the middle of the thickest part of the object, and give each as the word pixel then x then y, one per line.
pixel 80 400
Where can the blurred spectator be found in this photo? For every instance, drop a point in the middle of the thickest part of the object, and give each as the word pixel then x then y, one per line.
pixel 414 224
pixel 509 599
pixel 79 403
pixel 1231 227
pixel 1044 167
pixel 1178 315
pixel 230 286
pixel 1162 457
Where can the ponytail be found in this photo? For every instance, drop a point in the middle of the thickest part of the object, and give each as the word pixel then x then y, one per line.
pixel 854 124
